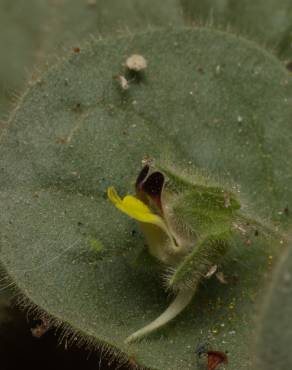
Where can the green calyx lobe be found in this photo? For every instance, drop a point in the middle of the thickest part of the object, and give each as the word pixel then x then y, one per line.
pixel 202 218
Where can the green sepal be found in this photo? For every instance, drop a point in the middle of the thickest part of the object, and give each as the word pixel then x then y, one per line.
pixel 207 253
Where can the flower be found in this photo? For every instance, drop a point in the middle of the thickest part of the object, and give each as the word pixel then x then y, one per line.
pixel 147 208
pixel 135 208
pixel 187 226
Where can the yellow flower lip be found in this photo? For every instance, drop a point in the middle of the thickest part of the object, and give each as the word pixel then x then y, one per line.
pixel 138 210
pixel 134 208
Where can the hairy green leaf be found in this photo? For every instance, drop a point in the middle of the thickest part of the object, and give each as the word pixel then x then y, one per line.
pixel 21 33
pixel 275 333
pixel 73 21
pixel 208 101
pixel 267 21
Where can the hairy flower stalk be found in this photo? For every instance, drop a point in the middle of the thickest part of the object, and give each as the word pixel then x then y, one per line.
pixel 187 227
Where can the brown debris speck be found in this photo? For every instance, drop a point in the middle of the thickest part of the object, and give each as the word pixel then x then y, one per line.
pixel 61 140
pixel 200 69
pixel 214 358
pixel 39 330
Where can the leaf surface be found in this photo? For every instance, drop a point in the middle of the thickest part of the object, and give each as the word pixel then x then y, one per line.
pixel 76 132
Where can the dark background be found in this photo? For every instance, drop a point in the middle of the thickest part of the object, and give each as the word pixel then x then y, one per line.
pixel 19 349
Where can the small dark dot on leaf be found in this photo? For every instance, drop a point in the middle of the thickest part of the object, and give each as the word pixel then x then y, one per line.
pixel 77 108
pixel 61 140
pixel 286 211
pixel 256 233
pixel 133 232
pixel 79 223
pixel 289 66
pixel 234 279
pixel 201 349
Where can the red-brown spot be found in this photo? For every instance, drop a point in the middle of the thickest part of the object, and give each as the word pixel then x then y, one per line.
pixel 76 49
pixel 40 329
pixel 216 358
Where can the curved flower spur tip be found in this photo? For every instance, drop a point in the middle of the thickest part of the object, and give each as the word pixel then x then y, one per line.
pixel 134 208
pixel 180 302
